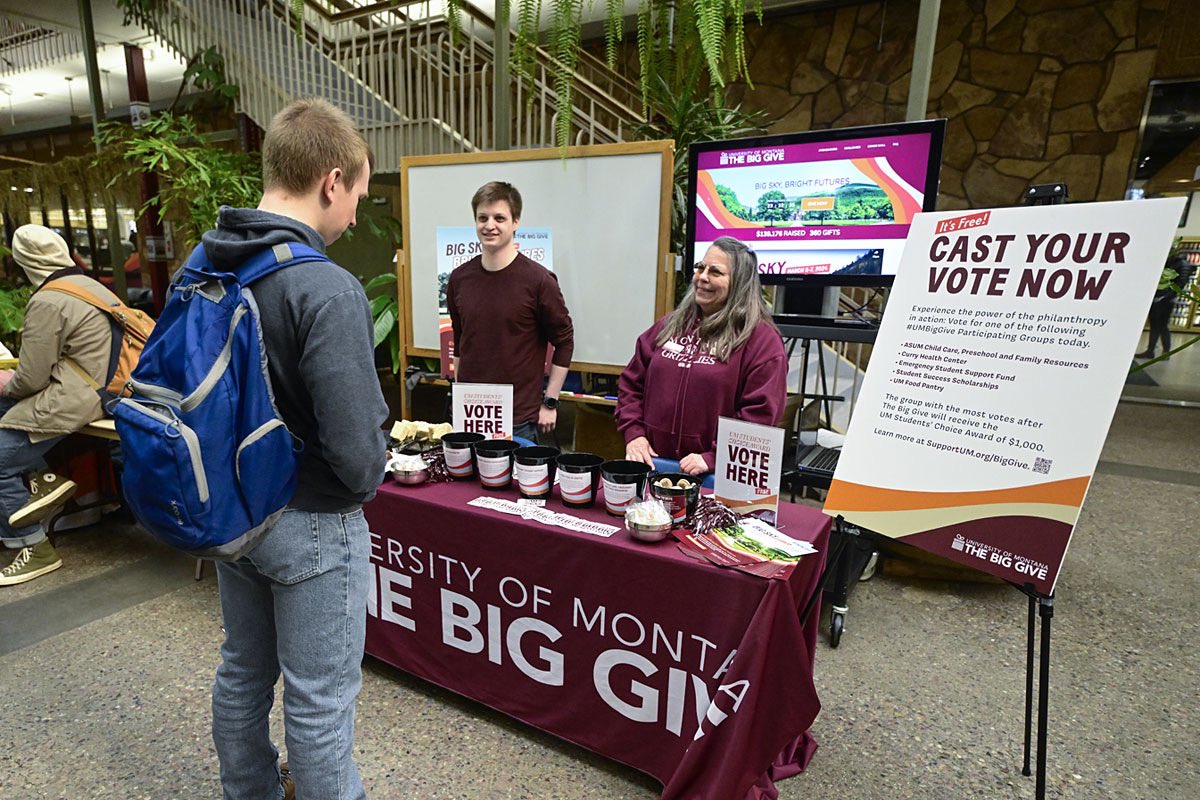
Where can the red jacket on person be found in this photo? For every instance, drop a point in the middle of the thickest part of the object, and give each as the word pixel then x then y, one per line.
pixel 673 394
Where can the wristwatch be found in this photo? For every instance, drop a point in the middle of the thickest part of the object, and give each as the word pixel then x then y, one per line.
pixel 550 402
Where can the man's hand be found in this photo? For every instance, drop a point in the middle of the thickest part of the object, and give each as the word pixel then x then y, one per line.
pixel 5 377
pixel 639 449
pixel 693 464
pixel 547 419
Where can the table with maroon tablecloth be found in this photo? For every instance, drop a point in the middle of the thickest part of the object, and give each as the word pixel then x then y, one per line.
pixel 698 675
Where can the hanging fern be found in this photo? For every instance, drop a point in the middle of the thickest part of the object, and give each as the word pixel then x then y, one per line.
pixel 565 31
pixel 710 24
pixel 297 9
pixel 738 12
pixel 524 57
pixel 454 19
pixel 614 31
pixel 645 44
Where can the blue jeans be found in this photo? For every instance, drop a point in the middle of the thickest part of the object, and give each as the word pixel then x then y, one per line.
pixel 18 455
pixel 296 603
pixel 527 430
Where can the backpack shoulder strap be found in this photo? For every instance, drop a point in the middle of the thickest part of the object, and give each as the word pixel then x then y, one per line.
pixel 276 258
pixel 134 322
pixel 66 287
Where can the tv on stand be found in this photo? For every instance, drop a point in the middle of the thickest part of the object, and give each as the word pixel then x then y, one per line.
pixel 821 209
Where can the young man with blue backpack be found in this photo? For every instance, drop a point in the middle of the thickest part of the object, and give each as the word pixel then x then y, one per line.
pixel 294 581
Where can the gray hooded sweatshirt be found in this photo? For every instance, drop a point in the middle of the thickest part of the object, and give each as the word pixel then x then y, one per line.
pixel 316 323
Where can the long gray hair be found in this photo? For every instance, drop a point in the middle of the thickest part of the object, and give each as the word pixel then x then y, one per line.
pixel 729 328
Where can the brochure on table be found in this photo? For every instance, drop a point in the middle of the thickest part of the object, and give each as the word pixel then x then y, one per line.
pixel 748 459
pixel 994 377
pixel 456 245
pixel 750 545
pixel 485 408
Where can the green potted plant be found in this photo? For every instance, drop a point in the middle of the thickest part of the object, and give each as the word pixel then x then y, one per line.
pixel 12 310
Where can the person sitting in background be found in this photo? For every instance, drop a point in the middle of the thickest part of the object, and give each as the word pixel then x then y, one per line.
pixel 63 339
pixel 717 354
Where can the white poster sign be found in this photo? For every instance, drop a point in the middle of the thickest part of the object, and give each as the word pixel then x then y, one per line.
pixel 748 467
pixel 994 378
pixel 485 408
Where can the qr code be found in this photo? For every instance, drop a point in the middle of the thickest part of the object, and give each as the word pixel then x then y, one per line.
pixel 1042 465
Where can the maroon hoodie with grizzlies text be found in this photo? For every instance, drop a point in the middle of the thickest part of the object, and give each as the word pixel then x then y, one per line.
pixel 673 394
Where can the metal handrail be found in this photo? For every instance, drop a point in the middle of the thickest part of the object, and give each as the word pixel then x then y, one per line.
pixel 627 106
pixel 411 88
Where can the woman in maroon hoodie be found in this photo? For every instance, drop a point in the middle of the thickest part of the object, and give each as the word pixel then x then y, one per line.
pixel 717 354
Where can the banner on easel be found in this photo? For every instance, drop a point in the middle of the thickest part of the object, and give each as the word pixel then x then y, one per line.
pixel 485 408
pixel 748 459
pixel 994 378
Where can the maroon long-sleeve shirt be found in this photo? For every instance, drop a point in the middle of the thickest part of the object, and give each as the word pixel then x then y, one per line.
pixel 673 393
pixel 502 323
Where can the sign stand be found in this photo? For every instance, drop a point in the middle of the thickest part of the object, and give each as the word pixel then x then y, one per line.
pixel 1039 195
pixel 1042 605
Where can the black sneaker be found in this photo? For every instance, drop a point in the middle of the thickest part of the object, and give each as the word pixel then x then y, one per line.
pixel 1145 354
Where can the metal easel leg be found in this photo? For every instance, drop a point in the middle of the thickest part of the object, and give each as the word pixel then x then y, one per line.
pixel 1047 613
pixel 1029 636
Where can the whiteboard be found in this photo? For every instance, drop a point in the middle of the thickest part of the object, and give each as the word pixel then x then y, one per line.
pixel 608 207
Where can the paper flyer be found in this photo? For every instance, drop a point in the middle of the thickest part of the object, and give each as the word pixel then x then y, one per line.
pixel 994 378
pixel 751 546
pixel 748 467
pixel 485 408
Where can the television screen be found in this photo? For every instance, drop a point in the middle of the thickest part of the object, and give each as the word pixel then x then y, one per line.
pixel 821 207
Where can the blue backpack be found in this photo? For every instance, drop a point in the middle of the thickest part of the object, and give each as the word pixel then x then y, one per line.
pixel 209 464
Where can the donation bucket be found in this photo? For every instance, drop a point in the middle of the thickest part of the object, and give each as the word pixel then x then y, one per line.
pixel 678 491
pixel 534 470
pixel 459 452
pixel 624 482
pixel 494 462
pixel 578 478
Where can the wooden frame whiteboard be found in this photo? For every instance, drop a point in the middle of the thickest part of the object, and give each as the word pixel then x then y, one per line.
pixel 609 209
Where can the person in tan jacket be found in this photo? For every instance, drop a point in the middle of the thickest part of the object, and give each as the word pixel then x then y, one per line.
pixel 47 397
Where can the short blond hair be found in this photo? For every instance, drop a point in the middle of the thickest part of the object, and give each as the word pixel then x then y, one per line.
pixel 306 140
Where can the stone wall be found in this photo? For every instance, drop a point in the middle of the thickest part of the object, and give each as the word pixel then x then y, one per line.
pixel 1035 91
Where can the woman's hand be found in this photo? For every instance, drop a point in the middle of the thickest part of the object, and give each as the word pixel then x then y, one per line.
pixel 693 464
pixel 639 449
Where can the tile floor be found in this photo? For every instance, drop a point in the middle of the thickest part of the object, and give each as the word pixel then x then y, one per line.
pixel 107 665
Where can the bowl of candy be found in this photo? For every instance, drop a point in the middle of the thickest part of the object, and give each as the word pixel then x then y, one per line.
pixel 648 521
pixel 409 470
pixel 679 491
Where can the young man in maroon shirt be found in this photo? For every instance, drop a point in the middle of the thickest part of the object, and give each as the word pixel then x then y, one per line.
pixel 505 309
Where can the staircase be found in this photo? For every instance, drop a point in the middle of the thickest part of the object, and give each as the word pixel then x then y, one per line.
pixel 410 87
pixel 27 47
